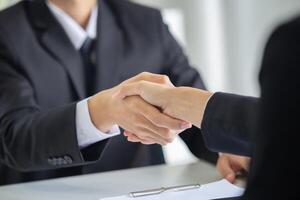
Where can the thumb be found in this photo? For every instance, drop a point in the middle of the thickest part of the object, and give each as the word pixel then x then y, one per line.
pixel 153 93
pixel 230 177
pixel 226 170
pixel 130 89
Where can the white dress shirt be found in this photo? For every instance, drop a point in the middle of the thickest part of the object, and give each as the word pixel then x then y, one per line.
pixel 87 133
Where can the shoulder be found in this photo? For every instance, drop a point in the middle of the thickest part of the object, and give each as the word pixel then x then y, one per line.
pixel 138 15
pixel 13 12
pixel 133 9
pixel 13 18
pixel 288 32
pixel 285 38
pixel 282 51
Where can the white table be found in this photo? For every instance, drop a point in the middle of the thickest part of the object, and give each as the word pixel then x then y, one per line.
pixel 94 186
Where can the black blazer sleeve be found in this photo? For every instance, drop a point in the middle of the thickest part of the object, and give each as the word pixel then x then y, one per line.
pixel 229 122
pixel 31 138
pixel 178 68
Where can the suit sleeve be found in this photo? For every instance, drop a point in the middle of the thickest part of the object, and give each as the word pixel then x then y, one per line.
pixel 178 68
pixel 31 138
pixel 229 123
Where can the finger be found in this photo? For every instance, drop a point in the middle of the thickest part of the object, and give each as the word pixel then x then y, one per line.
pixel 162 120
pixel 130 89
pixel 133 137
pixel 246 163
pixel 155 116
pixel 161 134
pixel 145 89
pixel 155 78
pixel 149 135
pixel 224 167
pixel 144 132
pixel 230 177
pixel 126 133
pixel 164 134
pixel 143 128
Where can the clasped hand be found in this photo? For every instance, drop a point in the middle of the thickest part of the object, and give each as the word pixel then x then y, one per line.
pixel 183 103
pixel 137 116
pixel 149 108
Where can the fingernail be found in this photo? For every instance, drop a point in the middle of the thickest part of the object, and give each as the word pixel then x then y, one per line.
pixel 230 177
pixel 186 125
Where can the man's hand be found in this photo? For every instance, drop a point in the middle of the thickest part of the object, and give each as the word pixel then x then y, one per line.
pixel 183 103
pixel 134 114
pixel 231 165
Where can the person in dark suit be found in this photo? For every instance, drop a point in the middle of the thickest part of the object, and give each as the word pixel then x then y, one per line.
pixel 52 58
pixel 264 128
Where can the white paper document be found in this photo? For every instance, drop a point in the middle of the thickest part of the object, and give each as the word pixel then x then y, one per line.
pixel 215 190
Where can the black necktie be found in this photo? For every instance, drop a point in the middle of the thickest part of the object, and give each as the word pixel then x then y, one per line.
pixel 87 52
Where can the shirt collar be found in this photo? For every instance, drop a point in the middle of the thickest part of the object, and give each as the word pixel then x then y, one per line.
pixel 75 32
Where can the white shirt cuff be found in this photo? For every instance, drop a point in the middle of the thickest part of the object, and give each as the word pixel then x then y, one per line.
pixel 87 133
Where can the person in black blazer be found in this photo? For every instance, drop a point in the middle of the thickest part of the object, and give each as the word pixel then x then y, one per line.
pixel 264 128
pixel 42 79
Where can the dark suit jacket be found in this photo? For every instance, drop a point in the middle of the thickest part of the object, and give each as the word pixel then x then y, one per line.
pixel 41 79
pixel 266 128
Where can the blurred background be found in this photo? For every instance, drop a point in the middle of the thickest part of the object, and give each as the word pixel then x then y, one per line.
pixel 224 39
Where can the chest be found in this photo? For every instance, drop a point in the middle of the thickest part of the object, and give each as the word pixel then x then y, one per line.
pixel 51 75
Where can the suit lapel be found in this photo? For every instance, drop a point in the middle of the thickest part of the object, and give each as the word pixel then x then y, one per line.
pixel 110 47
pixel 56 42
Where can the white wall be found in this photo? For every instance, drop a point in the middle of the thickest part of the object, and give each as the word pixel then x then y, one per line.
pixel 248 24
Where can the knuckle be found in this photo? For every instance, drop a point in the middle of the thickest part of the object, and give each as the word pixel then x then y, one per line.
pixel 142 134
pixel 141 84
pixel 163 142
pixel 169 135
pixel 170 140
pixel 122 89
pixel 164 79
pixel 152 116
pixel 144 74
pixel 133 103
pixel 155 120
pixel 132 118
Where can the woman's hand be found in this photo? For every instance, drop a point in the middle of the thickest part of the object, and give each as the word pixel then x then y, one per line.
pixel 134 114
pixel 187 104
pixel 230 165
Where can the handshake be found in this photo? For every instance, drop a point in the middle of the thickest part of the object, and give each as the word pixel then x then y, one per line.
pixel 149 108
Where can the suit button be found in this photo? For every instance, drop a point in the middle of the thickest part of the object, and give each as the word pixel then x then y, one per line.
pixel 64 162
pixel 50 161
pixel 55 161
pixel 68 159
pixel 60 161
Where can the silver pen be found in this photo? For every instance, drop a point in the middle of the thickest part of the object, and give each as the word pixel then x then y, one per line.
pixel 163 189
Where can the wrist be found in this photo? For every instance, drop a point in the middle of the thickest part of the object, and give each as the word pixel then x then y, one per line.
pixel 201 100
pixel 101 112
pixel 189 104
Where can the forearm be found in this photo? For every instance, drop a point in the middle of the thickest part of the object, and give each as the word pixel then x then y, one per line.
pixel 34 140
